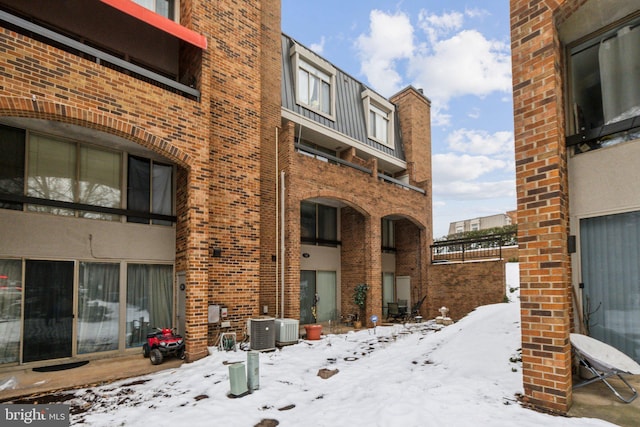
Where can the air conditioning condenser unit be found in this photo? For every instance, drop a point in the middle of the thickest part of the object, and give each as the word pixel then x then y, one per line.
pixel 287 331
pixel 262 333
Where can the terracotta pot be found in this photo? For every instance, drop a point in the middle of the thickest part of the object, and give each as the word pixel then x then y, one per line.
pixel 357 324
pixel 313 331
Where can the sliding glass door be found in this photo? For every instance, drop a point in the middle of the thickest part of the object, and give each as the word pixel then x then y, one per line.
pixel 318 291
pixel 48 310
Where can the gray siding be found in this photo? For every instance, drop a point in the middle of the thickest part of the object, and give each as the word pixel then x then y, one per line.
pixel 350 117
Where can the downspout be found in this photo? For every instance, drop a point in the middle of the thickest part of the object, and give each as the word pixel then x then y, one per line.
pixel 277 223
pixel 282 243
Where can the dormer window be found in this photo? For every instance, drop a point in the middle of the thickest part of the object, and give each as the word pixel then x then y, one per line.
pixel 314 81
pixel 380 118
pixel 379 124
pixel 314 88
pixel 165 8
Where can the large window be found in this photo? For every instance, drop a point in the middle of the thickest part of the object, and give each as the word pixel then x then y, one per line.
pixel 65 177
pixel 67 171
pixel 318 224
pixel 314 81
pixel 388 235
pixel 605 86
pixel 11 165
pixel 149 189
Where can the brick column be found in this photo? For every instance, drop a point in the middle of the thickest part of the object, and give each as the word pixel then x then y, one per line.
pixel 197 263
pixel 541 178
pixel 373 267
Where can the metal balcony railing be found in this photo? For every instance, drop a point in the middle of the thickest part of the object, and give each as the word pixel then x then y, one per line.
pixel 472 248
pixel 339 161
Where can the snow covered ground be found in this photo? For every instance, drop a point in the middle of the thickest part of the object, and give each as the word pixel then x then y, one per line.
pixel 466 374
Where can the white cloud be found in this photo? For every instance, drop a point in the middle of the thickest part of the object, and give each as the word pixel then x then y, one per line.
pixel 390 39
pixel 481 142
pixel 318 47
pixel 476 13
pixel 474 113
pixel 451 62
pixel 465 64
pixel 472 190
pixel 437 25
pixel 449 167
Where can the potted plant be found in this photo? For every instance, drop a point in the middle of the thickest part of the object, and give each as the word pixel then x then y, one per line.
pixel 360 299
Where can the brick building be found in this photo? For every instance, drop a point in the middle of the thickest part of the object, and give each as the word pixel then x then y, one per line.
pixel 483 222
pixel 155 163
pixel 356 196
pixel 576 111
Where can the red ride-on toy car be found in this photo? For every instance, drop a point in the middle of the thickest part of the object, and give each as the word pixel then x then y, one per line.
pixel 162 344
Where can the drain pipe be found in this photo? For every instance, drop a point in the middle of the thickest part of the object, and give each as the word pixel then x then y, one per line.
pixel 277 223
pixel 282 243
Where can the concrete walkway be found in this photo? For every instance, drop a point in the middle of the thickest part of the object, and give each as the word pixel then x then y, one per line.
pixel 26 382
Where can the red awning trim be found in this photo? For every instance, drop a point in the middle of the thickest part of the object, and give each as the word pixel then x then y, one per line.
pixel 158 21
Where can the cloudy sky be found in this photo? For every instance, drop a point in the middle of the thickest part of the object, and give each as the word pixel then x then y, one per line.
pixel 458 52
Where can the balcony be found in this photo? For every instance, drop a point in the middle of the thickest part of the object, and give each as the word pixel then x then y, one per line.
pixel 340 162
pixel 117 34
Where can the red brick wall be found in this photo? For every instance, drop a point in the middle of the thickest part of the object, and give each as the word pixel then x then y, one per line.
pixel 216 141
pixel 411 260
pixel 270 120
pixel 462 287
pixel 541 179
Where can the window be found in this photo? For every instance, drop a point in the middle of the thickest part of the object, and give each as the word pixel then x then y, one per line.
pixel 67 171
pixel 380 118
pixel 149 300
pixel 388 235
pixel 604 84
pixel 165 8
pixel 98 307
pixel 10 309
pixel 149 189
pixel 70 178
pixel 314 81
pixel 11 165
pixel 378 124
pixel 318 224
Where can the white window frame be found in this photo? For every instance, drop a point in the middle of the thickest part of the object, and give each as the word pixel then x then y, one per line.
pixel 308 62
pixel 153 6
pixel 378 106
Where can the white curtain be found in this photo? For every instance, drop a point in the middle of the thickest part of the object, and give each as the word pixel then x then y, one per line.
pixel 98 307
pixel 99 181
pixel 610 259
pixel 326 289
pixel 619 59
pixel 162 191
pixel 149 300
pixel 52 172
pixel 388 281
pixel 10 309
